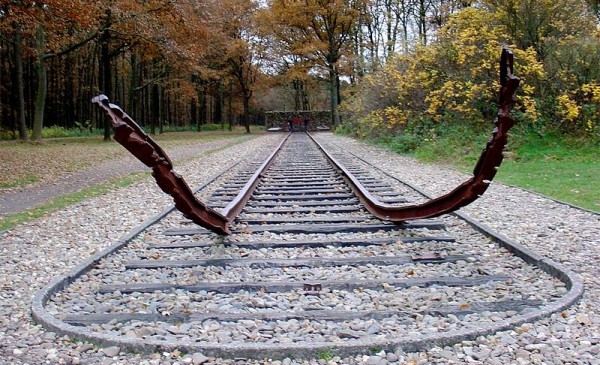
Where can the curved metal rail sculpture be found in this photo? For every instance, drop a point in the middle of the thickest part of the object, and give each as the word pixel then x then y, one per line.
pixel 136 141
pixel 483 173
pixel 131 136
pixel 139 144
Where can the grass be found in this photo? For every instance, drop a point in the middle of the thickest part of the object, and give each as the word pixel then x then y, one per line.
pixel 56 204
pixel 563 168
pixel 54 132
pixel 326 355
pixel 558 169
pixel 24 181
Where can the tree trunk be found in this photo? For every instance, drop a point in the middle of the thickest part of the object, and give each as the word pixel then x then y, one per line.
pixel 305 100
pixel 106 72
pixel 229 107
pixel 296 84
pixel 169 117
pixel 422 22
pixel 42 87
pixel 161 111
pixel 333 81
pixel 155 106
pixel 69 105
pixel 247 112
pixel 219 106
pixel 133 84
pixel 20 86
pixel 193 112
pixel 2 109
pixel 388 23
pixel 200 111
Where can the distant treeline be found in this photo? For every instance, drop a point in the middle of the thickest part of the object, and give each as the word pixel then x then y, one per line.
pixel 385 63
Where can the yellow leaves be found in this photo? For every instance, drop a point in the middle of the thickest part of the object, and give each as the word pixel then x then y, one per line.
pixel 455 97
pixel 527 63
pixel 581 105
pixel 374 120
pixel 530 108
pixel 395 116
pixel 590 125
pixel 528 89
pixel 567 108
pixel 424 76
pixel 435 103
pixel 591 92
pixel 455 77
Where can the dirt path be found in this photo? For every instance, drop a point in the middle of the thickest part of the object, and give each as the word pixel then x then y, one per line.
pixel 18 200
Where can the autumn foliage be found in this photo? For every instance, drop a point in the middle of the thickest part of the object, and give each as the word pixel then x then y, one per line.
pixel 168 63
pixel 379 65
pixel 454 79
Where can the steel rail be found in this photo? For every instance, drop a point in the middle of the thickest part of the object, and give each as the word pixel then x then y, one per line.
pixel 232 209
pixel 136 141
pixel 467 192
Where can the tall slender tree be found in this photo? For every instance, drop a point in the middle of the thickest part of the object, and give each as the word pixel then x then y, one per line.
pixel 323 32
pixel 19 83
pixel 237 44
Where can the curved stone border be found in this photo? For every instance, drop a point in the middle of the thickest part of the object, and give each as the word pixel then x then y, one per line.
pixel 43 295
pixel 310 349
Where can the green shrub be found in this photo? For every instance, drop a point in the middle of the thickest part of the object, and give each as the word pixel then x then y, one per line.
pixel 404 142
pixel 6 134
pixel 212 127
pixel 56 132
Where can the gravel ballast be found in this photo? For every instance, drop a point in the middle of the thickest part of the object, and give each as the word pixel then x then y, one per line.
pixel 34 253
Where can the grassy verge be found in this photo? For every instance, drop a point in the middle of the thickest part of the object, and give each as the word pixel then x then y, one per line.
pixel 55 132
pixel 56 204
pixel 565 171
pixel 23 181
pixel 561 168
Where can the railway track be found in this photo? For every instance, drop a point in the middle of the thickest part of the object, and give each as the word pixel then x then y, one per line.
pixel 306 270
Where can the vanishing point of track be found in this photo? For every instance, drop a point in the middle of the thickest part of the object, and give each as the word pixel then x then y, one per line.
pixel 306 270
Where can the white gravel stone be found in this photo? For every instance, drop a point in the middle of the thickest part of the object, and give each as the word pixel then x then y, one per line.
pixel 198 359
pixel 111 351
pixel 33 253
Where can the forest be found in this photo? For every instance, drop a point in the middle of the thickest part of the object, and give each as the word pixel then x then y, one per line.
pixel 380 66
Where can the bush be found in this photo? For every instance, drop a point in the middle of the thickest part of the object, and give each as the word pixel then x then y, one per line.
pixel 404 142
pixel 6 134
pixel 212 127
pixel 57 132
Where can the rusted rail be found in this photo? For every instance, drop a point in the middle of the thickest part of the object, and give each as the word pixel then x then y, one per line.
pixel 237 204
pixel 139 144
pixel 483 173
pixel 129 134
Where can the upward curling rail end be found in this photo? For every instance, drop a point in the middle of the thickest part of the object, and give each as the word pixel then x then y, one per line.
pixel 483 173
pixel 129 134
